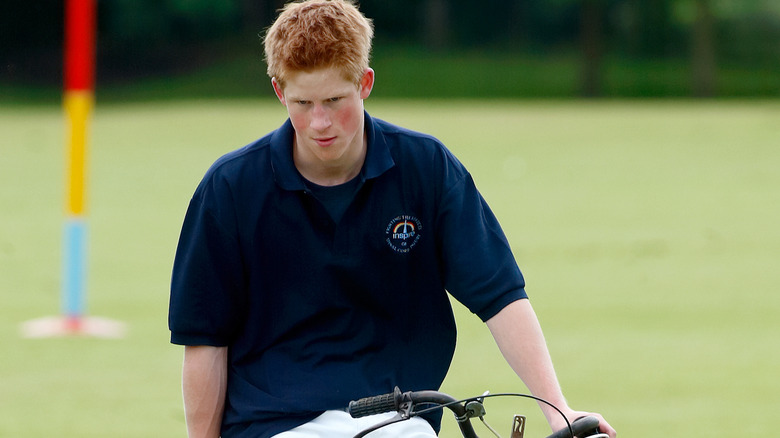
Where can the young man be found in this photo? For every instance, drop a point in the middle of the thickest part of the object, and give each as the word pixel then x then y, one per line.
pixel 314 264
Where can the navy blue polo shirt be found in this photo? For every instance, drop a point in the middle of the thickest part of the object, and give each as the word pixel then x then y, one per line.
pixel 317 313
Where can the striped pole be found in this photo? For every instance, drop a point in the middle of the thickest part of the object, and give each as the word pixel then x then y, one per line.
pixel 80 24
pixel 78 101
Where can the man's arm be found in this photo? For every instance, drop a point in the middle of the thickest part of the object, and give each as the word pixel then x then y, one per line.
pixel 204 382
pixel 519 336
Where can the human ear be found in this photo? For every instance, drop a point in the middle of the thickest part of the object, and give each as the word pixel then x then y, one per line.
pixel 366 83
pixel 278 90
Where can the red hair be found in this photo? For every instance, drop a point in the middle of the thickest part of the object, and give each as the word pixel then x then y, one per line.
pixel 316 34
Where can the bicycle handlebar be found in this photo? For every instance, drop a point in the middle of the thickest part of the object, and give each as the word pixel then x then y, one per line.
pixel 582 427
pixel 403 403
pixel 378 404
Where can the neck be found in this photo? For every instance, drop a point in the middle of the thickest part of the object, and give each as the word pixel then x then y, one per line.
pixel 333 173
pixel 332 177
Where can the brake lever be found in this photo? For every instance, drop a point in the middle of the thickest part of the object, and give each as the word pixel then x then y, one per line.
pixel 518 426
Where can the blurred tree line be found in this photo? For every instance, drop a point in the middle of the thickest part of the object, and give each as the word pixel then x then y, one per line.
pixel 141 37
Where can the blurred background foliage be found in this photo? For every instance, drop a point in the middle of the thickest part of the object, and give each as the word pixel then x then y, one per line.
pixel 490 48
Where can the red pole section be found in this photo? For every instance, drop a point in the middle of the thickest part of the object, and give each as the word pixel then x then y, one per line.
pixel 80 24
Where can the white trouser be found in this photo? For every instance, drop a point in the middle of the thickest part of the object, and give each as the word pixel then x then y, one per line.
pixel 339 424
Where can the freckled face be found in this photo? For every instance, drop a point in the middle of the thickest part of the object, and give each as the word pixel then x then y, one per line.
pixel 326 112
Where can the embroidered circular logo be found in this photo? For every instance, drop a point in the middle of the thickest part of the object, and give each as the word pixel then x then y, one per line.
pixel 403 233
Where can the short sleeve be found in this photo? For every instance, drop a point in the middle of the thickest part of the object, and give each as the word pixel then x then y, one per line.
pixel 480 269
pixel 207 285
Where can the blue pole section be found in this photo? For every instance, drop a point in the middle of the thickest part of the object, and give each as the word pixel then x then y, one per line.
pixel 74 269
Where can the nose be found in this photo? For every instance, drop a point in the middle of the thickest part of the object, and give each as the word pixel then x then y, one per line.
pixel 320 120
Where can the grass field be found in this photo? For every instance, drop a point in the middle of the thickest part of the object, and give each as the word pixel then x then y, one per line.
pixel 647 231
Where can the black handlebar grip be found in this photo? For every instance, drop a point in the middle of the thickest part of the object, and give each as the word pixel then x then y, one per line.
pixel 378 404
pixel 582 427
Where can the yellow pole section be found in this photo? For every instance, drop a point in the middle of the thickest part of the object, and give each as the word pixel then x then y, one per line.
pixel 78 107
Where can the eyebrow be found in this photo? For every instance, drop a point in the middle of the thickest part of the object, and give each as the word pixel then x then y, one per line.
pixel 336 93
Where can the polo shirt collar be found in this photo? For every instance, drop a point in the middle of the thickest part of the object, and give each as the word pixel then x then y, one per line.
pixel 378 158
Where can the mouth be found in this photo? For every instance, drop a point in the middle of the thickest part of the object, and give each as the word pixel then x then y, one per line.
pixel 325 141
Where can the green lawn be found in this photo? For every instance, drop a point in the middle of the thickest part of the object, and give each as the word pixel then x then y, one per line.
pixel 647 231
